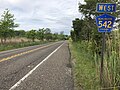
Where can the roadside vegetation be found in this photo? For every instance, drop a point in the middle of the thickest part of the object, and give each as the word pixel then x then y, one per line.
pixel 86 76
pixel 86 44
pixel 9 46
pixel 11 38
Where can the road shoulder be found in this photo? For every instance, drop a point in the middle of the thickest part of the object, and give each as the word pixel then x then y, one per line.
pixel 53 74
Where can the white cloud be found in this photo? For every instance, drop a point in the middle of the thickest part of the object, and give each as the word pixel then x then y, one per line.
pixel 34 14
pixel 14 1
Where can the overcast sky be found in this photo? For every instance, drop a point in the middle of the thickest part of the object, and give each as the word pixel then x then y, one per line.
pixel 33 14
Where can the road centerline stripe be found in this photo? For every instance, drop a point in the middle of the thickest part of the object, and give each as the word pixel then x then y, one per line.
pixel 29 73
pixel 23 53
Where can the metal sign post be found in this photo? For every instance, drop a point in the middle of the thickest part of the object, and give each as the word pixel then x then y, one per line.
pixel 105 24
pixel 102 58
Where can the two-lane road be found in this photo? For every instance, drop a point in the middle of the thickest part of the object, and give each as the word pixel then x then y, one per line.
pixel 41 67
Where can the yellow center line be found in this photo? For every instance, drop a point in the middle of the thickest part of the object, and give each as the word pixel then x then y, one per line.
pixel 23 53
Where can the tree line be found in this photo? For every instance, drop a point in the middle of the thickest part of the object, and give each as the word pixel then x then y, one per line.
pixel 85 30
pixel 8 25
pixel 41 34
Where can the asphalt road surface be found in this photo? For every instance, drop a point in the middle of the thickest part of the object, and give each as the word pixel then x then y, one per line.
pixel 41 67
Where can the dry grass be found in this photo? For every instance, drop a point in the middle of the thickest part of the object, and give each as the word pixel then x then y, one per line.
pixel 18 40
pixel 19 43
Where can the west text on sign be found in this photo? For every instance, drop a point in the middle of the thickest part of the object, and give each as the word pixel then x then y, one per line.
pixel 104 7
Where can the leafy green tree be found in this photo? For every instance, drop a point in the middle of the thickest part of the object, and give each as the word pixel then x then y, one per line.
pixel 31 35
pixel 89 8
pixel 7 26
pixel 55 36
pixel 41 34
pixel 77 23
pixel 48 35
pixel 20 33
pixel 88 30
pixel 61 35
pixel 72 35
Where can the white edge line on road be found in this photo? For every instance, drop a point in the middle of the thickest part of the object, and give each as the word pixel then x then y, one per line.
pixel 29 73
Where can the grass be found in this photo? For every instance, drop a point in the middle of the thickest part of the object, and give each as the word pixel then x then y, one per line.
pixel 87 65
pixel 9 46
pixel 85 73
pixel 112 62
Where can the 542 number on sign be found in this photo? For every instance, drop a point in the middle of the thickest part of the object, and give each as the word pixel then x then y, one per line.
pixel 105 24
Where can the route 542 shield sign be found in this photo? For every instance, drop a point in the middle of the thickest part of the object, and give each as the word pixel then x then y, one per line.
pixel 105 23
